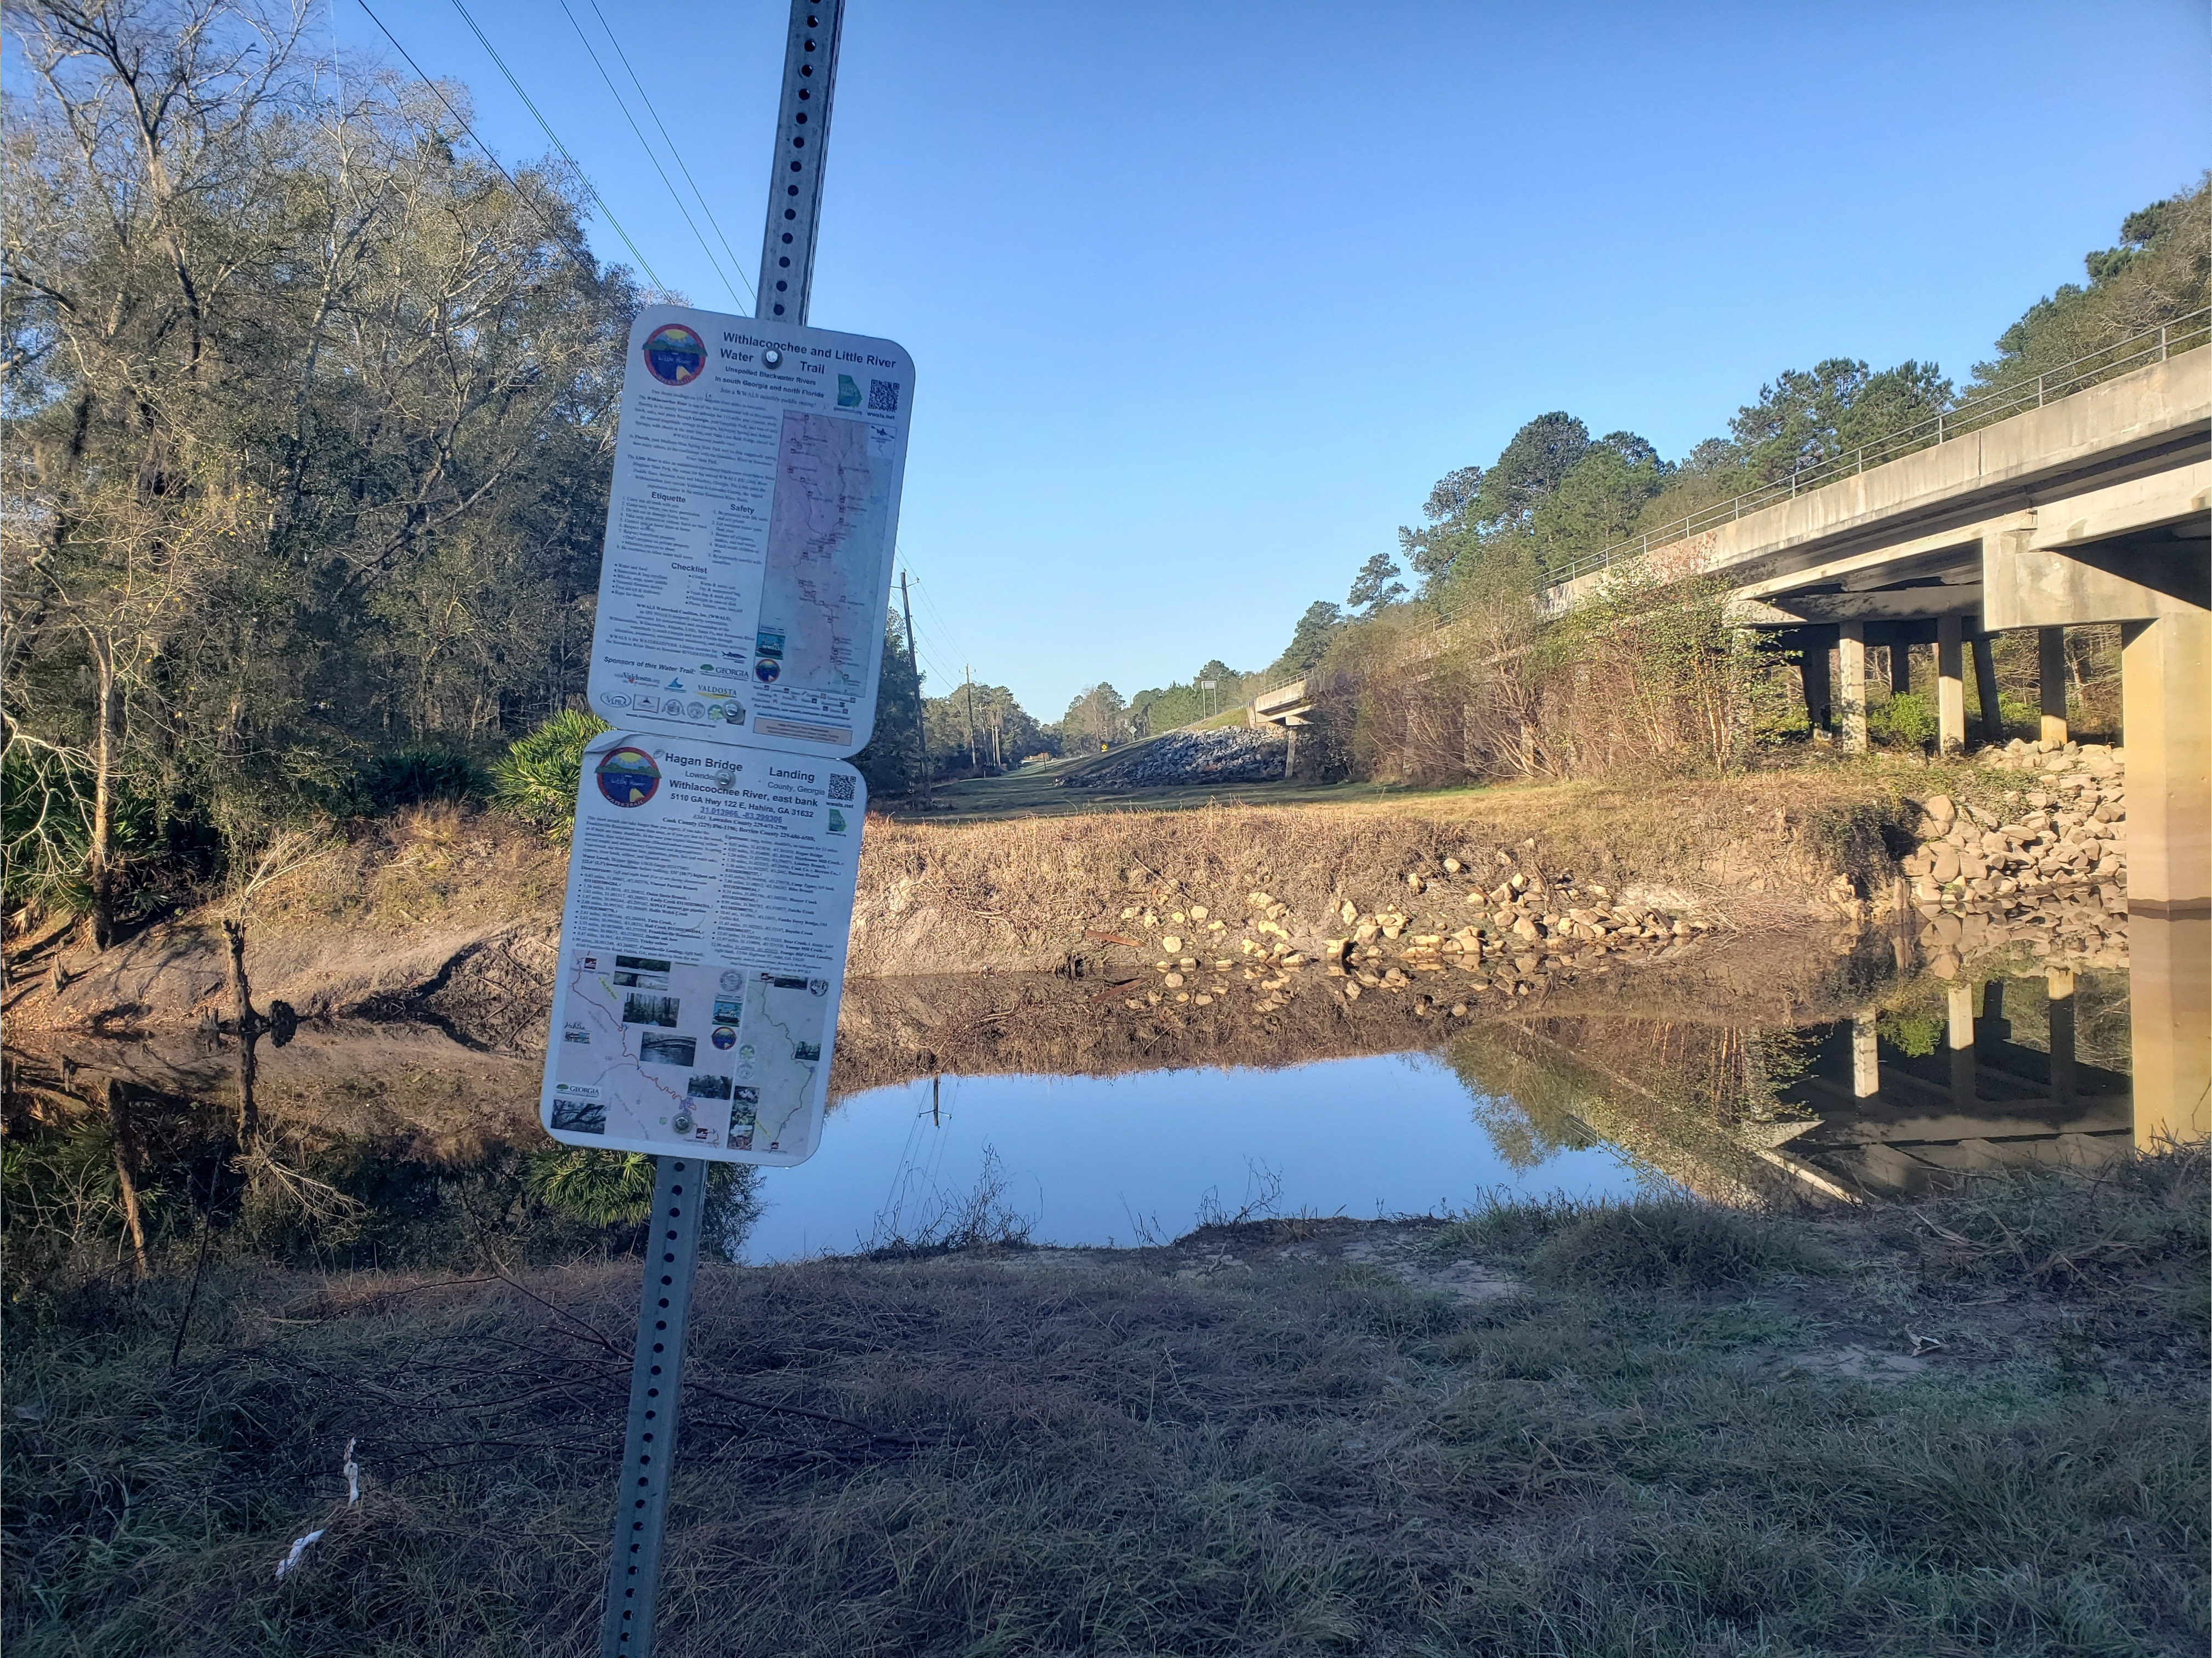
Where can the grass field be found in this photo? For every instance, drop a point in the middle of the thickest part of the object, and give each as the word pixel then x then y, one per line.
pixel 1040 791
pixel 1545 1430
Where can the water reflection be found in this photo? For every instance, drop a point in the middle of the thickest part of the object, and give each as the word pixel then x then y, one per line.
pixel 1867 1086
pixel 2010 1070
pixel 1117 1159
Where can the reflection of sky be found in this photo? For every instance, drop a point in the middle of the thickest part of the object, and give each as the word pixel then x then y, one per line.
pixel 1391 1134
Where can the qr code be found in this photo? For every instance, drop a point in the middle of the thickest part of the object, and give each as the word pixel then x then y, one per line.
pixel 841 788
pixel 882 396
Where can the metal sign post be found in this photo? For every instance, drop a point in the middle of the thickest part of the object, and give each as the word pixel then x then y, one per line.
pixel 679 1186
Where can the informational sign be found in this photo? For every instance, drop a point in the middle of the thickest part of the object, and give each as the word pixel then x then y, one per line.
pixel 702 948
pixel 749 532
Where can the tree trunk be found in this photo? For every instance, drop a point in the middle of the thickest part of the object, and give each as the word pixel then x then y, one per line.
pixel 99 855
pixel 127 1156
pixel 249 1029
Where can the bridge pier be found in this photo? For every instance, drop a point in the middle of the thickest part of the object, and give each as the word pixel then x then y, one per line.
pixel 1851 685
pixel 1901 670
pixel 1985 688
pixel 2050 673
pixel 2061 1017
pixel 1866 1057
pixel 2166 686
pixel 1960 1020
pixel 1950 687
pixel 1813 667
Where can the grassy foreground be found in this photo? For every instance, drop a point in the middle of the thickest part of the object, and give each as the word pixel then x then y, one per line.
pixel 1657 1428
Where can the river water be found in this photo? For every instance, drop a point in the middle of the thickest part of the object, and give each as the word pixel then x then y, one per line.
pixel 1887 1085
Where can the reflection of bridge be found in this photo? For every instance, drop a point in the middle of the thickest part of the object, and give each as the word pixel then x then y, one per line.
pixel 1899 1126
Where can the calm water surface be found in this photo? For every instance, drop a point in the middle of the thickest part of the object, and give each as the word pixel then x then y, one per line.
pixel 1115 1160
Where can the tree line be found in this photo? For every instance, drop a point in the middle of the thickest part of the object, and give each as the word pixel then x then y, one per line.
pixel 308 409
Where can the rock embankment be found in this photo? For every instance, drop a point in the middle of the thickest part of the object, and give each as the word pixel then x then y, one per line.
pixel 1233 754
pixel 2045 865
pixel 1516 937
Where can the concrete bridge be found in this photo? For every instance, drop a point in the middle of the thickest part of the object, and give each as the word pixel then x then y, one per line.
pixel 2090 508
pixel 2093 506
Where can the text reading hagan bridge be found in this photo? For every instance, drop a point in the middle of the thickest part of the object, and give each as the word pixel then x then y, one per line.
pixel 738 648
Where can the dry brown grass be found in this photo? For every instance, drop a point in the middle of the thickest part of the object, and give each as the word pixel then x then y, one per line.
pixel 1753 852
pixel 1254 1442
pixel 443 864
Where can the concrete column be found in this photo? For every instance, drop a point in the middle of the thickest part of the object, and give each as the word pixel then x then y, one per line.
pixel 2061 1032
pixel 1985 688
pixel 1851 685
pixel 1961 1034
pixel 2051 671
pixel 1950 688
pixel 2166 682
pixel 1866 1058
pixel 1814 659
pixel 1901 670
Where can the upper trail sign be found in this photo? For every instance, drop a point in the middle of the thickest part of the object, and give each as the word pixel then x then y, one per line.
pixel 749 532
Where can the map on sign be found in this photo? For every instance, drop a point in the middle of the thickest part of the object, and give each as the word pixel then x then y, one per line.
pixel 750 529
pixel 724 1057
pixel 821 608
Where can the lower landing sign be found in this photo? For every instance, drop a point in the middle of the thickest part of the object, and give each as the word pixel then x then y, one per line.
pixel 702 949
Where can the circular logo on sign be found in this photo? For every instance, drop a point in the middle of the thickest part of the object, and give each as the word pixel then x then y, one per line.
pixel 628 776
pixel 675 355
pixel 724 1037
pixel 766 670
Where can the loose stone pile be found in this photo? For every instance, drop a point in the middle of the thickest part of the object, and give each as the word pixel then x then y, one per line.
pixel 1517 936
pixel 2048 869
pixel 2067 831
pixel 1233 754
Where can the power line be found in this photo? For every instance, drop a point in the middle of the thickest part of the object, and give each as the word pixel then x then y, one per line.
pixel 520 195
pixel 736 264
pixel 952 634
pixel 590 189
pixel 591 52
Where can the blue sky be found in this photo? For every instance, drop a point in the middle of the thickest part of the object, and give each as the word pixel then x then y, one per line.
pixel 1203 298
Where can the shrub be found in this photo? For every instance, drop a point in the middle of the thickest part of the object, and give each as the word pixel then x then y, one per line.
pixel 1906 721
pixel 538 777
pixel 611 1189
pixel 415 777
pixel 1914 1034
pixel 1671 1245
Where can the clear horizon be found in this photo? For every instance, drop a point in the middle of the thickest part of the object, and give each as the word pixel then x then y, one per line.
pixel 1202 304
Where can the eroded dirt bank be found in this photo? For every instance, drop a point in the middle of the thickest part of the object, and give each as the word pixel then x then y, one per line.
pixel 448 919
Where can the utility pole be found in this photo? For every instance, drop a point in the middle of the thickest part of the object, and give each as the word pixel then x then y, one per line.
pixel 969 674
pixel 920 731
pixel 679 1182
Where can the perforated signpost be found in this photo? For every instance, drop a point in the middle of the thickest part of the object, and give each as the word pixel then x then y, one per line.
pixel 736 655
